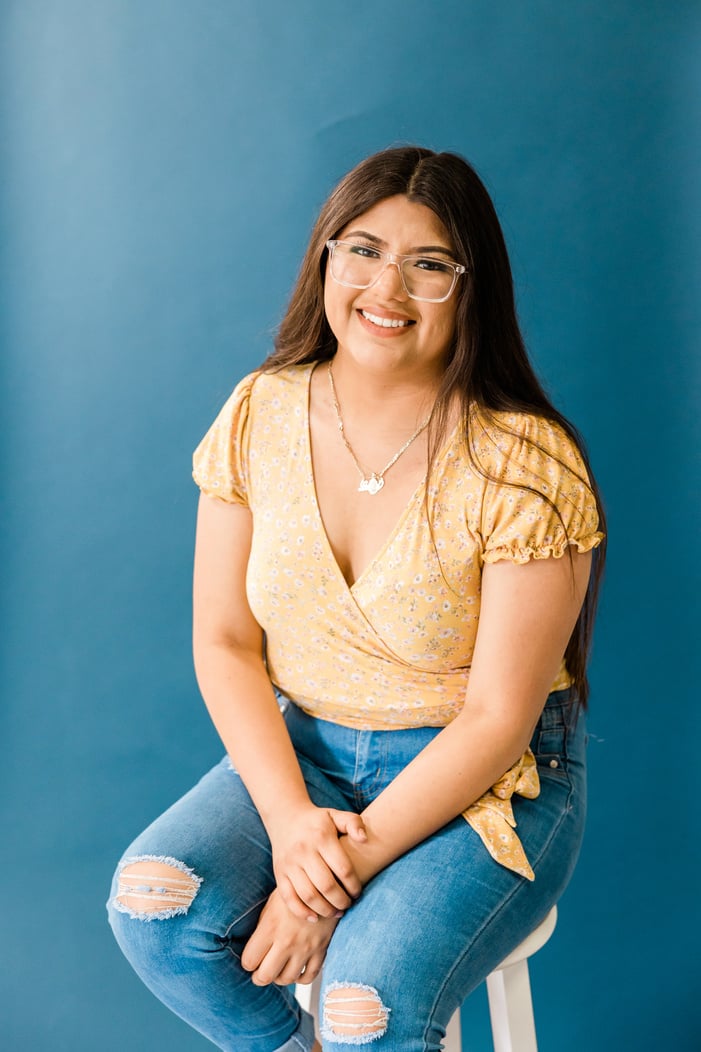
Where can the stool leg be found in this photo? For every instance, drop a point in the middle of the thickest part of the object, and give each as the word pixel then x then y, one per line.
pixel 511 1009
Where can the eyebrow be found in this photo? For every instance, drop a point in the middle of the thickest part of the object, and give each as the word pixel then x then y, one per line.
pixel 383 244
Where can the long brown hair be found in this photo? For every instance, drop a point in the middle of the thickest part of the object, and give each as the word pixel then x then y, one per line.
pixel 487 364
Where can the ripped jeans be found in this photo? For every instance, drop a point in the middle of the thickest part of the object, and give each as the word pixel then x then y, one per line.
pixel 424 933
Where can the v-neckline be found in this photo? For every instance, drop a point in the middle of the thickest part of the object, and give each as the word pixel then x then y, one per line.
pixel 351 588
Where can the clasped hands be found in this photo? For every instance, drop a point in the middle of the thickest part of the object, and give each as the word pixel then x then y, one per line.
pixel 316 882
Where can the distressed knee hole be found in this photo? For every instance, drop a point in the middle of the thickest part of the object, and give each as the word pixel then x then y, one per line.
pixel 155 887
pixel 353 1014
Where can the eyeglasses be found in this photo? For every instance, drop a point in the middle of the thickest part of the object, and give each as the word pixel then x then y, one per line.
pixel 424 278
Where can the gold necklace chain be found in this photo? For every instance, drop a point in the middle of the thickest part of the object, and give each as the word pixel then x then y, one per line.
pixel 373 482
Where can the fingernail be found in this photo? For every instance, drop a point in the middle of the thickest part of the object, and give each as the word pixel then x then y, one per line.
pixel 312 920
pixel 339 913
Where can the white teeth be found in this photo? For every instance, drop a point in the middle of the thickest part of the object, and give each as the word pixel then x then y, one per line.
pixel 386 323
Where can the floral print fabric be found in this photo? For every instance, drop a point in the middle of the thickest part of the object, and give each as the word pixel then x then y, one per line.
pixel 394 649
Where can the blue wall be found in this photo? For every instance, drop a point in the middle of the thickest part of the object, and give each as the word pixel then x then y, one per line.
pixel 161 166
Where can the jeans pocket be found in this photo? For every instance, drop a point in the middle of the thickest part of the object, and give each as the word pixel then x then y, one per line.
pixel 549 744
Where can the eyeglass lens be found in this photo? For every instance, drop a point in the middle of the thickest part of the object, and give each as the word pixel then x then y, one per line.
pixel 360 266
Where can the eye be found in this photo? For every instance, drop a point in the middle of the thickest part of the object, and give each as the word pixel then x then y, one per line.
pixel 362 250
pixel 435 266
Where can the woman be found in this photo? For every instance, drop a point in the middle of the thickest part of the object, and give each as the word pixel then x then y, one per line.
pixel 393 602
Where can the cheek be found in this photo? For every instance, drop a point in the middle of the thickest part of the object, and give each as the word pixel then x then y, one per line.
pixel 444 327
pixel 337 306
pixel 329 305
pixel 331 314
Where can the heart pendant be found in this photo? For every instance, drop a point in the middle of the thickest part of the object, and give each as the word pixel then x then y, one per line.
pixel 372 485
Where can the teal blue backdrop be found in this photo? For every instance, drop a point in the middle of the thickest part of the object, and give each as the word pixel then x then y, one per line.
pixel 162 162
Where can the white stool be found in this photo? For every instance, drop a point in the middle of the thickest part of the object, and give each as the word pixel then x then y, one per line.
pixel 508 990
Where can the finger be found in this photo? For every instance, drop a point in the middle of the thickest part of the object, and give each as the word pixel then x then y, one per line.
pixel 316 888
pixel 329 895
pixel 304 899
pixel 255 950
pixel 270 969
pixel 296 971
pixel 342 870
pixel 312 968
pixel 350 823
pixel 292 900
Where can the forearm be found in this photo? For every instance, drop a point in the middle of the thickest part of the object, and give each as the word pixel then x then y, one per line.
pixel 455 769
pixel 311 868
pixel 526 618
pixel 241 702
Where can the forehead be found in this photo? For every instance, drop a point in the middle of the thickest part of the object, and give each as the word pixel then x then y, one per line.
pixel 401 224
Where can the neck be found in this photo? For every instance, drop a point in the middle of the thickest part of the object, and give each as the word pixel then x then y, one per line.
pixel 384 395
pixel 373 481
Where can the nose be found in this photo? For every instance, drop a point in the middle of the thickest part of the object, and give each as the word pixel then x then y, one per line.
pixel 391 280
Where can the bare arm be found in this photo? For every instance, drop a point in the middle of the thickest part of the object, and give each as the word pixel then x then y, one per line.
pixel 228 651
pixel 527 615
pixel 526 618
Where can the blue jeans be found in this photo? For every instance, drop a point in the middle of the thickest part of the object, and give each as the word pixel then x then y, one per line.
pixel 425 931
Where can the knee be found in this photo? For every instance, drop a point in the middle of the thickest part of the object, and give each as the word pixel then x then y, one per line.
pixel 353 1014
pixel 154 887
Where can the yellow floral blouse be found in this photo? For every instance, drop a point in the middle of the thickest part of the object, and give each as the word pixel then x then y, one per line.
pixel 394 649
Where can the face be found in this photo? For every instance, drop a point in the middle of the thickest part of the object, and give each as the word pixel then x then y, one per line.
pixel 422 332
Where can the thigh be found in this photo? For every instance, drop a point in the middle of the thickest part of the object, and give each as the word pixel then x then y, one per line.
pixel 215 836
pixel 434 924
pixel 201 873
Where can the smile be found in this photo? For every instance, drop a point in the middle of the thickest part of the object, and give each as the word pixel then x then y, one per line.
pixel 386 323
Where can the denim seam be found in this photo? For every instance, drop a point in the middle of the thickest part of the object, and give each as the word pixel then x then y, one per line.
pixel 460 959
pixel 241 917
pixel 294 1038
pixel 559 776
pixel 556 828
pixel 522 883
pixel 382 767
pixel 358 795
pixel 300 1015
pixel 561 773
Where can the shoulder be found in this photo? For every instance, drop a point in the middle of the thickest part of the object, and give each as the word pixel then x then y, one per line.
pixel 289 383
pixel 512 446
pixel 241 393
pixel 538 496
pixel 260 391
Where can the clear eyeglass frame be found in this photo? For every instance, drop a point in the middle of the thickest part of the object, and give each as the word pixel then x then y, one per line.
pixel 398 261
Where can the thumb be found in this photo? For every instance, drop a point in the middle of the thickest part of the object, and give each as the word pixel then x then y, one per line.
pixel 350 823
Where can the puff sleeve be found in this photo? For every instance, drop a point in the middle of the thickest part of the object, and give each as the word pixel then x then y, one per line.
pixel 219 462
pixel 541 501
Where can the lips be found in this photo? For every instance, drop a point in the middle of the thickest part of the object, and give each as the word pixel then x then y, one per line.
pixel 387 323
